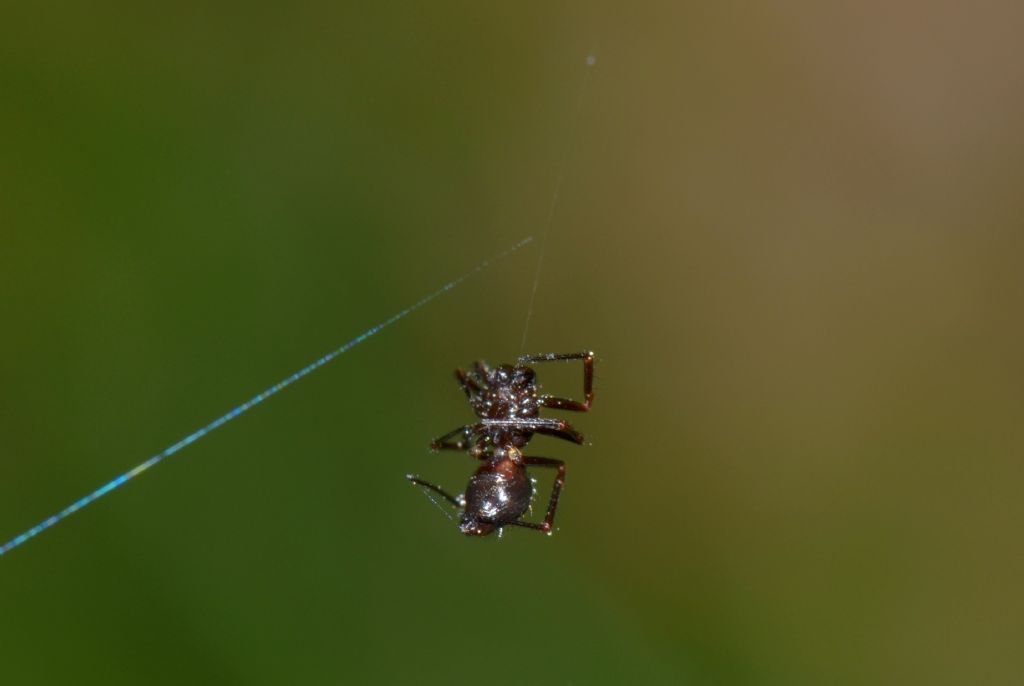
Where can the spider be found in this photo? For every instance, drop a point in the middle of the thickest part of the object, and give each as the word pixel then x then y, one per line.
pixel 508 404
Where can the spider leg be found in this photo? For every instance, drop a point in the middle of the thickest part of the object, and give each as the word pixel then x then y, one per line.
pixel 456 502
pixel 482 370
pixel 445 443
pixel 468 383
pixel 556 403
pixel 549 519
pixel 564 431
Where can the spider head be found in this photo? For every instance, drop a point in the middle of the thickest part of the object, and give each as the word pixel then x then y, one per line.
pixel 517 377
pixel 471 526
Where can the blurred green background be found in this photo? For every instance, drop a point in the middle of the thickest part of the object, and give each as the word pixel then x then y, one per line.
pixel 791 231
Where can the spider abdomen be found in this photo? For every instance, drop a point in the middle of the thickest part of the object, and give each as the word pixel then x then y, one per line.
pixel 496 495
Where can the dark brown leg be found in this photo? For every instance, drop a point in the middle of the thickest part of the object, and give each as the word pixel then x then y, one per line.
pixel 565 432
pixel 436 489
pixel 483 371
pixel 445 442
pixel 549 520
pixel 469 384
pixel 588 380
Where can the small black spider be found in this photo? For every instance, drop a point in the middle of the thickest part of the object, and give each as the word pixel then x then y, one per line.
pixel 508 405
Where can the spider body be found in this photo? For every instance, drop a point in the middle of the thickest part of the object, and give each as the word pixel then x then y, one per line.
pixel 507 403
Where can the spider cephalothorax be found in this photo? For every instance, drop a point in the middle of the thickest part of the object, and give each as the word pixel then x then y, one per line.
pixel 507 402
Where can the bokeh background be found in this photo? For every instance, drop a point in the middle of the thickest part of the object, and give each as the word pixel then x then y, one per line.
pixel 792 231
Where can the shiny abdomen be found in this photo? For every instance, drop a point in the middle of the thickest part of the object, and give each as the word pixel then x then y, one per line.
pixel 499 494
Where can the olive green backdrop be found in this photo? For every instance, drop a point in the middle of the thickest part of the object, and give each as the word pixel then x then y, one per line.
pixel 791 233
